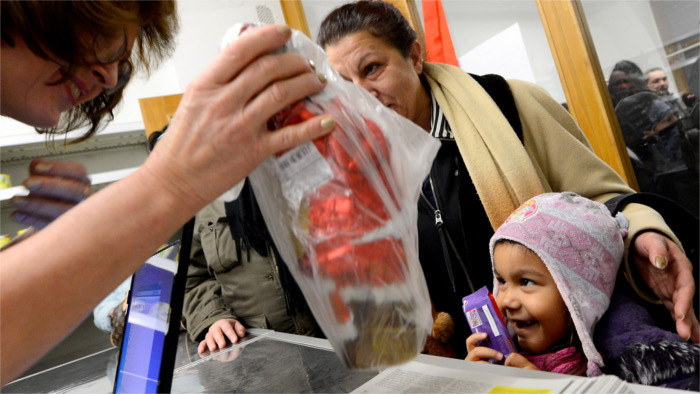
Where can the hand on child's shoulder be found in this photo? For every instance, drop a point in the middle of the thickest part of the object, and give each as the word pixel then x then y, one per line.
pixel 518 361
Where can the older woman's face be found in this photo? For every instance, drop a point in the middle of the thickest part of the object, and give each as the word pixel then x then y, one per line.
pixel 381 69
pixel 26 79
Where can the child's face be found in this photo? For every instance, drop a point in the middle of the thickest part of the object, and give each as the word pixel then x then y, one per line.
pixel 529 299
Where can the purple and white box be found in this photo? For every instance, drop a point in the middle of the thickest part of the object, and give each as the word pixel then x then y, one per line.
pixel 483 316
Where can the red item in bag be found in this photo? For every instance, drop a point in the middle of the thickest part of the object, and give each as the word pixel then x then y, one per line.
pixel 342 212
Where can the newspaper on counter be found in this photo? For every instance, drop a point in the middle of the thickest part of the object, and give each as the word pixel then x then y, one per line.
pixel 424 376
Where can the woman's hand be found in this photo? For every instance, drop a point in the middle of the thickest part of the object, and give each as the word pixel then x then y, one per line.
pixel 54 188
pixel 669 273
pixel 480 353
pixel 219 133
pixel 219 332
pixel 518 361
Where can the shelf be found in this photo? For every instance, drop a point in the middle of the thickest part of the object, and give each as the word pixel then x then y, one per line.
pixel 686 49
pixel 96 179
pixel 683 63
pixel 42 148
pixel 36 138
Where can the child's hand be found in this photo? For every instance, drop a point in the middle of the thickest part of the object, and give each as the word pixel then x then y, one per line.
pixel 221 330
pixel 518 361
pixel 480 353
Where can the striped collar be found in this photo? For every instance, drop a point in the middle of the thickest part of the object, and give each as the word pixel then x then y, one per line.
pixel 439 127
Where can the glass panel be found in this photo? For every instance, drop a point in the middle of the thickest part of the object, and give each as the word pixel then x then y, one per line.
pixel 489 36
pixel 648 51
pixel 503 37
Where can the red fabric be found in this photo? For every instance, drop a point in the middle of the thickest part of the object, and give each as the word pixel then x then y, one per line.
pixel 438 42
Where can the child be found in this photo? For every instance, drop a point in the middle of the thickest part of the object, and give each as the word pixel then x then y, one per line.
pixel 555 260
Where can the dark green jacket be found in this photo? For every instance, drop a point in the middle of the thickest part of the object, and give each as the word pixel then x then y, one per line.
pixel 222 285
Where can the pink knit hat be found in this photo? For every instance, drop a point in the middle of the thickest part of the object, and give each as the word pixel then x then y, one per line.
pixel 581 245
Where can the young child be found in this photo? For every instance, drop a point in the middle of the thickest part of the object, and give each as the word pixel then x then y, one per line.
pixel 555 260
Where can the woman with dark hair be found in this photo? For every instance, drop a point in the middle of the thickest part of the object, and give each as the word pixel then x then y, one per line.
pixel 621 85
pixel 502 143
pixel 100 41
pixel 629 68
pixel 69 61
pixel 104 31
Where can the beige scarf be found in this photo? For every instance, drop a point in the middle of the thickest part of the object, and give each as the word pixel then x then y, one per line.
pixel 497 162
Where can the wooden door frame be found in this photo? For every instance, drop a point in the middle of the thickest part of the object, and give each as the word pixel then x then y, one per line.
pixel 584 84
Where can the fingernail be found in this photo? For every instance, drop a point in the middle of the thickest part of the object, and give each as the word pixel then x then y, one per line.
pixel 660 262
pixel 500 356
pixel 284 30
pixel 19 202
pixel 32 185
pixel 312 64
pixel 681 318
pixel 328 123
pixel 321 77
pixel 42 168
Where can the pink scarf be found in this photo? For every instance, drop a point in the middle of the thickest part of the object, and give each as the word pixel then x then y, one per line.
pixel 569 360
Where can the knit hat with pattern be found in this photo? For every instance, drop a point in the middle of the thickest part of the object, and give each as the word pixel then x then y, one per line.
pixel 581 245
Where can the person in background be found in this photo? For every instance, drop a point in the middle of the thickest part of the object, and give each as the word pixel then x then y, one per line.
pixel 620 85
pixel 630 68
pixel 652 131
pixel 68 67
pixel 484 169
pixel 231 251
pixel 555 260
pixel 657 81
pixel 625 80
pixel 110 314
pixel 237 279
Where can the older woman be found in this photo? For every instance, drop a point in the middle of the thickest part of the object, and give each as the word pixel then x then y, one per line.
pixel 484 170
pixel 61 59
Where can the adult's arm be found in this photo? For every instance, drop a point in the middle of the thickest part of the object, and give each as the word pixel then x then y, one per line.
pixel 565 159
pixel 50 282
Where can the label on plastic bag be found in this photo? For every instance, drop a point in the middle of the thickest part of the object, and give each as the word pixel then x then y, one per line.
pixel 303 167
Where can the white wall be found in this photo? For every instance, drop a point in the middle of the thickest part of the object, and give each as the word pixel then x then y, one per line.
pixel 474 21
pixel 624 30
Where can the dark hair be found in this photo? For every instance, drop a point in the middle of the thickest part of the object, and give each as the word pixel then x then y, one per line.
pixel 628 68
pixel 154 137
pixel 52 30
pixel 635 84
pixel 380 19
pixel 506 241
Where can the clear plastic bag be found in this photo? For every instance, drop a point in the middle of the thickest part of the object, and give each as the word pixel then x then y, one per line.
pixel 342 211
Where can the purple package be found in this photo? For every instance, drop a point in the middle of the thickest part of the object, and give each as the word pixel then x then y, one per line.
pixel 483 316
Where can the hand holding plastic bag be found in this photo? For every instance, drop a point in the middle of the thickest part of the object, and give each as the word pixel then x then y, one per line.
pixel 342 211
